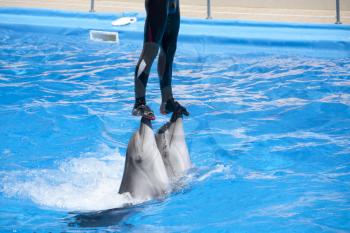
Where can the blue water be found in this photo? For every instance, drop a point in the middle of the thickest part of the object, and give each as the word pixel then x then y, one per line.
pixel 269 137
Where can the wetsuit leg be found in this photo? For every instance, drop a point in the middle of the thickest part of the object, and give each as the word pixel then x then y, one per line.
pixel 155 25
pixel 168 49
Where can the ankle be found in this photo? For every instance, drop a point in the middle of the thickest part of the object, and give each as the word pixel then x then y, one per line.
pixel 140 101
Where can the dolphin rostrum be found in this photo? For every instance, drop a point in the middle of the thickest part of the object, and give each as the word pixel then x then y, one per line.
pixel 172 146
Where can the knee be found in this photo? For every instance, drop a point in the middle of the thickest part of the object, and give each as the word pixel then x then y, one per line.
pixel 150 51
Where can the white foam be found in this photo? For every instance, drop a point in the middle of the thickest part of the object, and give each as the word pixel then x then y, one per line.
pixel 219 169
pixel 90 182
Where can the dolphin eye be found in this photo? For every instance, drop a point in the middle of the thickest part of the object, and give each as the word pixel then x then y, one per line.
pixel 165 155
pixel 138 159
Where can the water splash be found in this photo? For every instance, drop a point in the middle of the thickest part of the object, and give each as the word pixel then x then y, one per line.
pixel 89 182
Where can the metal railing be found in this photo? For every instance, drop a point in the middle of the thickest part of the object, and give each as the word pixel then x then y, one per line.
pixel 337 12
pixel 209 16
pixel 209 9
pixel 337 2
pixel 92 6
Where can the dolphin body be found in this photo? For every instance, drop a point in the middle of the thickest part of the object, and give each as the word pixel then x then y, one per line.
pixel 171 143
pixel 145 176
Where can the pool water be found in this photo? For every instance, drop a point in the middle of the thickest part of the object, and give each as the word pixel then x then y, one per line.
pixel 268 134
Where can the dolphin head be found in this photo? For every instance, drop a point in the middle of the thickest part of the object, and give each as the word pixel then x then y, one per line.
pixel 172 146
pixel 145 176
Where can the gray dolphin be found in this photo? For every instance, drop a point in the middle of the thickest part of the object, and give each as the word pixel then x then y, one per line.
pixel 172 146
pixel 145 176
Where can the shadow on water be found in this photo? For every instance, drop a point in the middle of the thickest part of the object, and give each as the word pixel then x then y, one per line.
pixel 103 218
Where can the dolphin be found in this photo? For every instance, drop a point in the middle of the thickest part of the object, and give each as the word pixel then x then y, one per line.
pixel 145 176
pixel 171 143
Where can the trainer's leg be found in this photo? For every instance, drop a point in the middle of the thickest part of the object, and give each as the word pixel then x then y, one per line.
pixel 143 67
pixel 168 49
pixel 155 24
pixel 166 59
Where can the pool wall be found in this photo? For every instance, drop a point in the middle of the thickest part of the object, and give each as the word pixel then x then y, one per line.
pixel 326 39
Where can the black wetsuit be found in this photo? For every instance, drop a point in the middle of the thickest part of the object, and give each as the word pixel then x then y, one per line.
pixel 161 31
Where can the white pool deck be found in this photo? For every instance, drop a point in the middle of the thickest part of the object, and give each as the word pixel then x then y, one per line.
pixel 311 11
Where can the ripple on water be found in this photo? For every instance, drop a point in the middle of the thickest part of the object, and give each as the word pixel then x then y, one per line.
pixel 268 134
